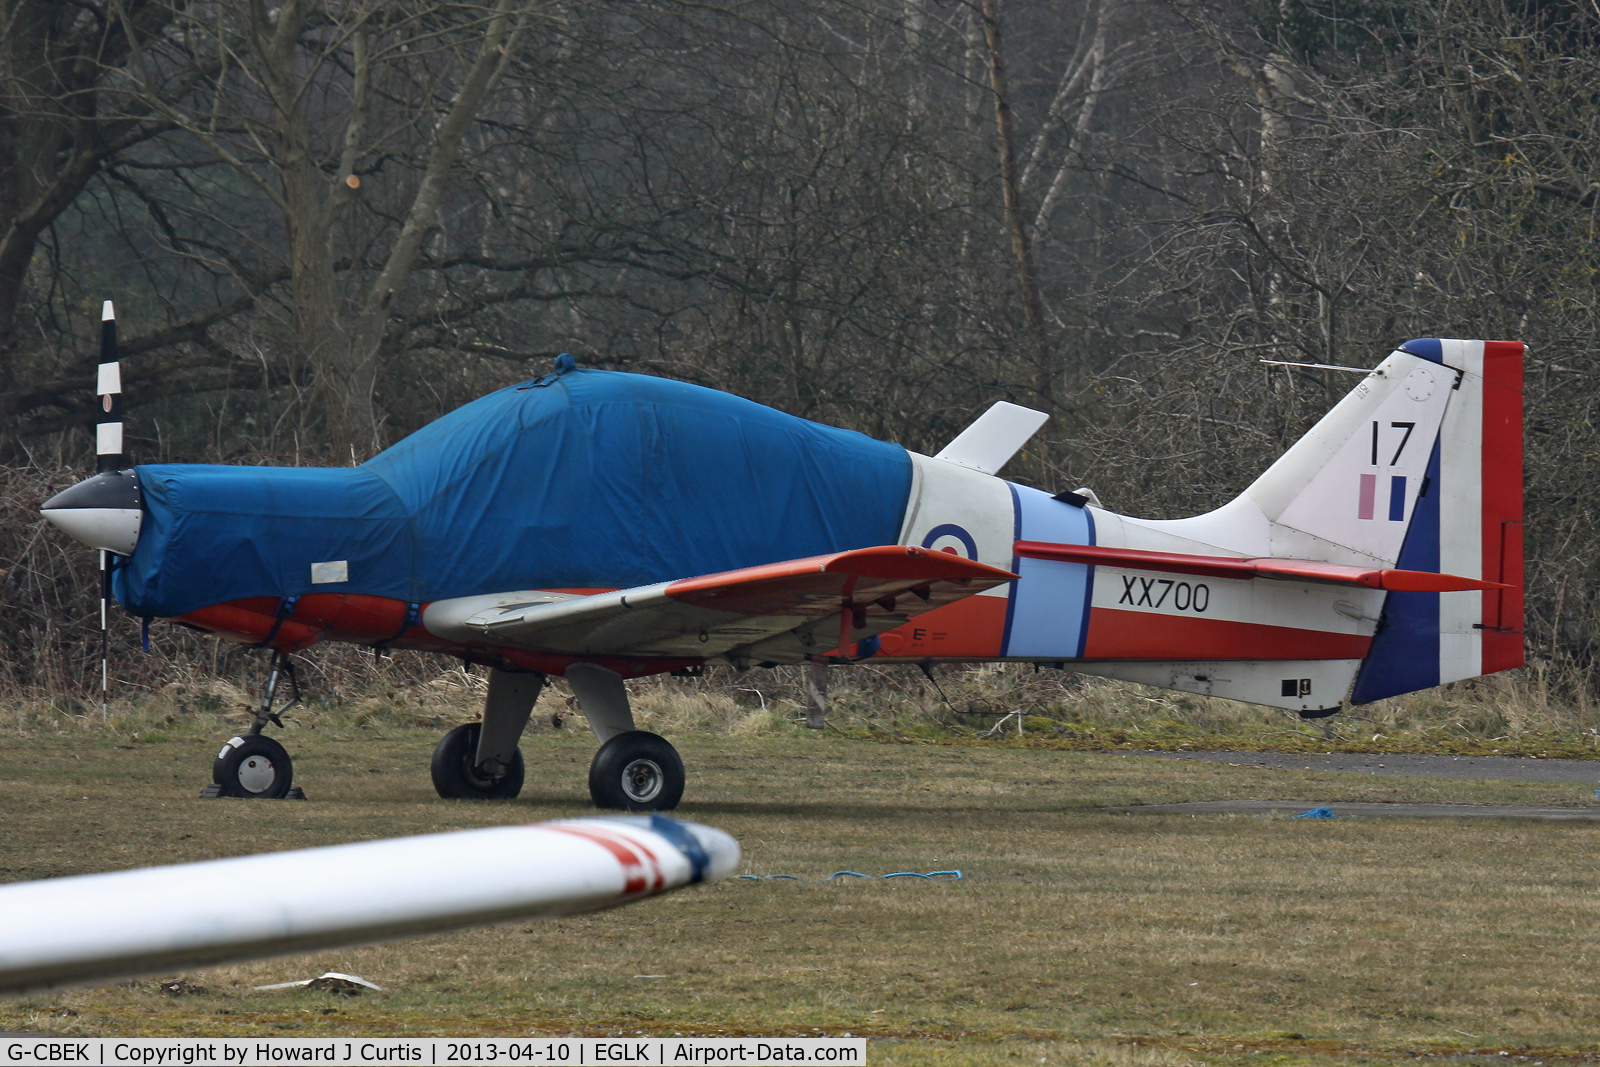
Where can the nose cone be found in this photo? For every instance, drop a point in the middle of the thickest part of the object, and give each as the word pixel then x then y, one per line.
pixel 103 512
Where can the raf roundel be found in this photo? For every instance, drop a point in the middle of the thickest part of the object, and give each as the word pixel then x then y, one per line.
pixel 948 537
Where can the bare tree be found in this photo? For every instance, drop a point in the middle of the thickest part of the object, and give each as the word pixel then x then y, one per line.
pixel 306 98
pixel 1016 220
pixel 64 112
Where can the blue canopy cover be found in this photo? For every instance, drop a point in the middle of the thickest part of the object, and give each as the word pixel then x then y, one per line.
pixel 586 479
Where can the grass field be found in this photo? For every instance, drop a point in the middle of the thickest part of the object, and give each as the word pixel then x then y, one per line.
pixel 1076 935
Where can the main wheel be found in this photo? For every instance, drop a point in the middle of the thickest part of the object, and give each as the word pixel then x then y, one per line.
pixel 253 766
pixel 456 773
pixel 636 771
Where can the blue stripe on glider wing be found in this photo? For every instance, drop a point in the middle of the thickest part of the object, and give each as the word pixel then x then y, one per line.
pixel 1046 612
pixel 1405 654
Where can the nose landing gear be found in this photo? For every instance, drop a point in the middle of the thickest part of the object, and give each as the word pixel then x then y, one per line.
pixel 254 766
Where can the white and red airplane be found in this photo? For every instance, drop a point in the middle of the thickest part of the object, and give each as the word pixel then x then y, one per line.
pixel 603 526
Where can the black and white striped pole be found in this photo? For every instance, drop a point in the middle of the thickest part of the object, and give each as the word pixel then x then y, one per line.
pixel 108 445
pixel 105 511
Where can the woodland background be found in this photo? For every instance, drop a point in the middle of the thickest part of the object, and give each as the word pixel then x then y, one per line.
pixel 326 223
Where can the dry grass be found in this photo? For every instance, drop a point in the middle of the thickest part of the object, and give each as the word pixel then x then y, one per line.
pixel 1074 933
pixel 1525 712
pixel 1515 713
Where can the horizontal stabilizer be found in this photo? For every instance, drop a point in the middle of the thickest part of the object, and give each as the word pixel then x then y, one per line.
pixel 990 442
pixel 1286 570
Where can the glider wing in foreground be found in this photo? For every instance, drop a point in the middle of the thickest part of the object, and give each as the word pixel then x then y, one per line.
pixel 96 927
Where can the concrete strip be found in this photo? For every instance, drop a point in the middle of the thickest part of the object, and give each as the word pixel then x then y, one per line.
pixel 1496 768
pixel 1363 811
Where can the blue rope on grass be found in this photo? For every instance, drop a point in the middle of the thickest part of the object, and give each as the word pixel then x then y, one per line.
pixel 932 876
pixel 1316 813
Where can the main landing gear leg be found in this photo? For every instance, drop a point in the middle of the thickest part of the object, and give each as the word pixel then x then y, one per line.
pixel 254 765
pixel 480 760
pixel 634 770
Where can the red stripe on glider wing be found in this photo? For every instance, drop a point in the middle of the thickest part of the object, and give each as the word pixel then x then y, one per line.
pixel 1287 570
pixel 636 878
pixel 1118 634
pixel 914 578
pixel 1502 504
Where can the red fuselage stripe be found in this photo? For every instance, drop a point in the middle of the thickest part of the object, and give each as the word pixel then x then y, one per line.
pixel 1118 634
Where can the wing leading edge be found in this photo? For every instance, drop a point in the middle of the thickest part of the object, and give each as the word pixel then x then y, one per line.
pixel 774 613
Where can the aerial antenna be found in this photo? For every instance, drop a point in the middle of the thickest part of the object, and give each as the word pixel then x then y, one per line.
pixel 1316 366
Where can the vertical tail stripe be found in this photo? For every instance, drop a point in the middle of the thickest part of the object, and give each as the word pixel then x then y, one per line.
pixel 1405 652
pixel 1502 504
pixel 1461 515
pixel 1369 493
pixel 1397 499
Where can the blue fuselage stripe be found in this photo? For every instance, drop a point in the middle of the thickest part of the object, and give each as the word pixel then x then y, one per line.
pixel 1016 535
pixel 1048 614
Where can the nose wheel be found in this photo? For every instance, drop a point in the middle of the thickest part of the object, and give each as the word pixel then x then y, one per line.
pixel 254 766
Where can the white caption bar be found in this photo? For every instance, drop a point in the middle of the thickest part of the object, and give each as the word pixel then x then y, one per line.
pixel 445 1052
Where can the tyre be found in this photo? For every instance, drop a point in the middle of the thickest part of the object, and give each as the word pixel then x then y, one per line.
pixel 253 766
pixel 457 776
pixel 636 771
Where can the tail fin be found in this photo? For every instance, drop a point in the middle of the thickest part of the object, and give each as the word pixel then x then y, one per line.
pixel 1419 468
pixel 1470 524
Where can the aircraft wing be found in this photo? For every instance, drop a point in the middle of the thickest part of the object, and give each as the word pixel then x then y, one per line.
pixel 777 612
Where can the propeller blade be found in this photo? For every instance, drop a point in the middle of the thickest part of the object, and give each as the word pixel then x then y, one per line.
pixel 108 426
pixel 108 444
pixel 105 634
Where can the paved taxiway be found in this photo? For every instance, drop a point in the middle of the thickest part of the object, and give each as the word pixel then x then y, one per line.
pixel 1498 768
